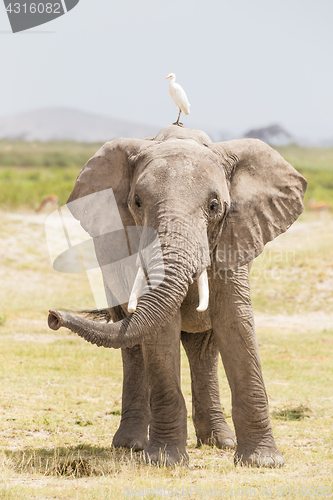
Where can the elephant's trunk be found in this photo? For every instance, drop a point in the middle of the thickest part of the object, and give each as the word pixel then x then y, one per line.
pixel 153 311
pixel 138 286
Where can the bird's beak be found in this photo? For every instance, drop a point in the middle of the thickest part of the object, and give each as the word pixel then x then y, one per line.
pixel 168 77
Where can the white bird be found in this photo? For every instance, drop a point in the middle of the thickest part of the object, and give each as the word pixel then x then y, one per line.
pixel 178 96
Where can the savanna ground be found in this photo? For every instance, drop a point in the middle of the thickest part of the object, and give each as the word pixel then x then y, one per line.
pixel 60 397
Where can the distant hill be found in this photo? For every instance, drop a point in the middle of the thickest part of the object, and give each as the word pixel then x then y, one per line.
pixel 272 134
pixel 66 123
pixel 49 124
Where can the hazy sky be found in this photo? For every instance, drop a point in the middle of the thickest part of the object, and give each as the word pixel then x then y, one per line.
pixel 242 63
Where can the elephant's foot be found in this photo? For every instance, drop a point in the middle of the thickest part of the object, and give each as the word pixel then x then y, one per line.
pixel 262 457
pixel 131 434
pixel 168 455
pixel 214 432
pixel 222 438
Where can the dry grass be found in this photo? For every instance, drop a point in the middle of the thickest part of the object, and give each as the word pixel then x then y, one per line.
pixel 61 397
pixel 295 272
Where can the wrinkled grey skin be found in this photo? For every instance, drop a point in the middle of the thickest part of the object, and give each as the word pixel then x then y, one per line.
pixel 215 206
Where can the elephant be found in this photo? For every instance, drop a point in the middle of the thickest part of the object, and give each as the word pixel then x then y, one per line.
pixel 213 207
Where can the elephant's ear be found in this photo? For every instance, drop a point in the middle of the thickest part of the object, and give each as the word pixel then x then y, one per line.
pixel 111 167
pixel 266 195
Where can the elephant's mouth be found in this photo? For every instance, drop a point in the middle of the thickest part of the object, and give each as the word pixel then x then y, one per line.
pixel 140 282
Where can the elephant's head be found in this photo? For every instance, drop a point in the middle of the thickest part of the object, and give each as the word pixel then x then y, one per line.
pixel 207 202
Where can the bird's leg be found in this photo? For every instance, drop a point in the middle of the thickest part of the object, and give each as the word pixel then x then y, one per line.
pixel 177 122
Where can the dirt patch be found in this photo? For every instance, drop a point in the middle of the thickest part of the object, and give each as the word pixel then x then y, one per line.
pixel 315 321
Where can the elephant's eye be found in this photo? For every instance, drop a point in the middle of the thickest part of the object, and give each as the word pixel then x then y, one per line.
pixel 137 201
pixel 214 206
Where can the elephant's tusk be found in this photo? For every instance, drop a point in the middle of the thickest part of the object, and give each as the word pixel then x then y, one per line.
pixel 136 290
pixel 203 291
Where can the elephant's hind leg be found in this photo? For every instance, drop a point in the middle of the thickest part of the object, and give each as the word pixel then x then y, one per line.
pixel 209 422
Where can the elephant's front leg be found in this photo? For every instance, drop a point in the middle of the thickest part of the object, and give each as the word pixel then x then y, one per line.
pixel 135 412
pixel 233 325
pixel 168 420
pixel 133 429
pixel 209 422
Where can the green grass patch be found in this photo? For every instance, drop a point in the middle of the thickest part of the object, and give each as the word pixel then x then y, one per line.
pixel 316 165
pixel 320 186
pixel 292 413
pixel 31 170
pixel 25 187
pixel 37 154
pixel 308 159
